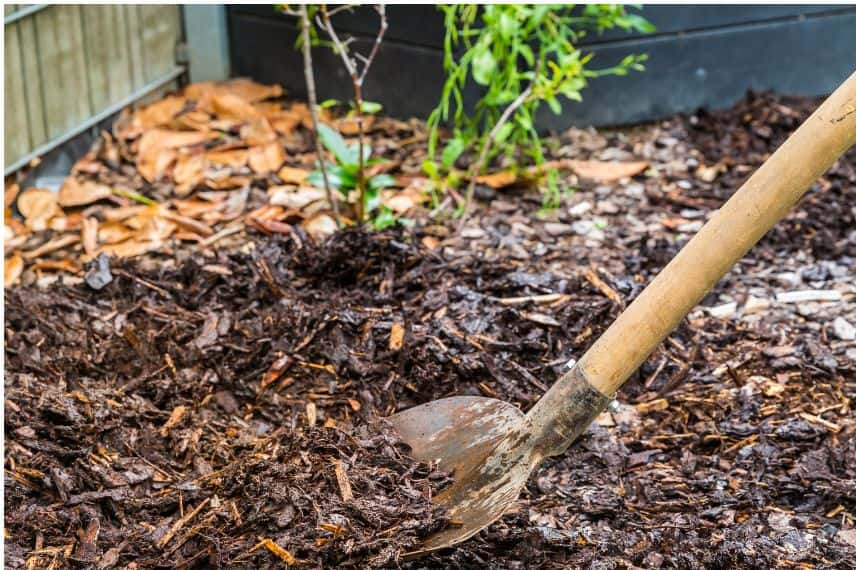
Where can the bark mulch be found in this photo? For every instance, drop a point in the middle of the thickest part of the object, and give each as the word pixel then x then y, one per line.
pixel 220 407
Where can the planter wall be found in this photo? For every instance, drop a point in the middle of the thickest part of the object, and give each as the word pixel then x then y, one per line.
pixel 700 56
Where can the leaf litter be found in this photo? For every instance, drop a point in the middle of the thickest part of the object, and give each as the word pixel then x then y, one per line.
pixel 214 404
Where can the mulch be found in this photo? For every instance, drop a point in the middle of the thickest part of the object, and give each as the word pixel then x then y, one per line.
pixel 220 406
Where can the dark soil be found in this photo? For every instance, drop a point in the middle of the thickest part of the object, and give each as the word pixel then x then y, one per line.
pixel 217 408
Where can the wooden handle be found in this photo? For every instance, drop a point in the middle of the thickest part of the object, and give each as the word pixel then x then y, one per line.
pixel 756 207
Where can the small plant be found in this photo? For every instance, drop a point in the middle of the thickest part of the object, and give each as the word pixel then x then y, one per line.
pixel 349 170
pixel 522 56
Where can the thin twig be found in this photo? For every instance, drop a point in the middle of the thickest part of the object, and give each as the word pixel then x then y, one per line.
pixel 313 108
pixel 480 163
pixel 357 79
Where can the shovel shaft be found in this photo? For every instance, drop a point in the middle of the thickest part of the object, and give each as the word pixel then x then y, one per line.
pixel 762 201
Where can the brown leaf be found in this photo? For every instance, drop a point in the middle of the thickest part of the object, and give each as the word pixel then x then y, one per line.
pixel 320 226
pixel 158 114
pixel 51 246
pixel 291 175
pixel 10 193
pixel 498 179
pixel 190 224
pixel 13 267
pixel 297 198
pixel 607 171
pixel 156 149
pixel 188 172
pixel 349 126
pixel 112 232
pixel 89 235
pixel 246 89
pixel 226 106
pixel 234 159
pixel 38 206
pixel 130 248
pixel 266 159
pixel 258 132
pixel 76 193
pixel 402 201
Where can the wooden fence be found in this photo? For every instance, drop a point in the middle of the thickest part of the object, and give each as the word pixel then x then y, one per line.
pixel 69 67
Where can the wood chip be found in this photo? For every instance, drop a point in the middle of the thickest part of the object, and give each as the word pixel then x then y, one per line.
pixel 607 171
pixel 279 551
pixel 603 287
pixel 311 414
pixel 827 295
pixel 343 481
pixel 657 405
pixel 396 336
pixel 174 419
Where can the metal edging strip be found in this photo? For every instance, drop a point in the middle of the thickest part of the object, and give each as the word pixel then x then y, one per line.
pixel 95 119
pixel 23 13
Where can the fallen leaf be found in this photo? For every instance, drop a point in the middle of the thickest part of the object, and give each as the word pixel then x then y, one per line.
pixel 607 171
pixel 291 197
pixel 156 149
pixel 10 193
pixel 130 248
pixel 498 179
pixel 38 206
pixel 350 127
pixel 267 158
pixel 13 267
pixel 158 113
pixel 258 132
pixel 188 172
pixel 113 232
pixel 66 265
pixel 76 193
pixel 51 246
pixel 187 223
pixel 402 201
pixel 235 159
pixel 320 226
pixel 230 107
pixel 291 175
pixel 246 89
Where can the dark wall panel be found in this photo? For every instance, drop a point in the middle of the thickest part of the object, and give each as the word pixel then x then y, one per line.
pixel 700 56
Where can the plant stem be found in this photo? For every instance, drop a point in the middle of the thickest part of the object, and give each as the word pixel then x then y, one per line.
pixel 357 79
pixel 313 108
pixel 480 163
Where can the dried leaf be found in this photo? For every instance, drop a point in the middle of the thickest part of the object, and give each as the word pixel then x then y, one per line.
pixel 51 246
pixel 246 89
pixel 258 132
pixel 607 171
pixel 112 232
pixel 10 193
pixel 188 172
pixel 279 367
pixel 156 149
pixel 13 267
pixel 38 206
pixel 267 158
pixel 349 126
pixel 76 193
pixel 291 197
pixel 320 226
pixel 226 106
pixel 130 248
pixel 158 113
pixel 235 159
pixel 498 179
pixel 291 175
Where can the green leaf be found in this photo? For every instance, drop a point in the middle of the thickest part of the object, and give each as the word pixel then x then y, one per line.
pixel 370 107
pixel 339 178
pixel 484 65
pixel 375 183
pixel 333 141
pixel 554 105
pixel 327 103
pixel 384 219
pixel 527 54
pixel 503 133
pixel 429 167
pixel 372 199
pixel 452 152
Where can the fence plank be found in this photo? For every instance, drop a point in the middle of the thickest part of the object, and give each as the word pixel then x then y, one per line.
pixel 15 130
pixel 160 27
pixel 35 97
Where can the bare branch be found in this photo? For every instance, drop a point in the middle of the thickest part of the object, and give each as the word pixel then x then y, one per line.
pixel 381 10
pixel 313 109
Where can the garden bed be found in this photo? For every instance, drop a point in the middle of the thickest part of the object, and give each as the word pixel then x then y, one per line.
pixel 216 403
